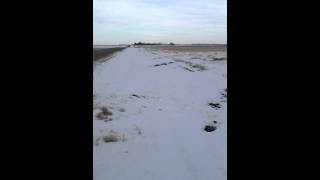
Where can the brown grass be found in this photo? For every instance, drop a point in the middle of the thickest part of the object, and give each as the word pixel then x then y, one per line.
pixel 113 136
pixel 110 138
pixel 199 67
pixel 100 53
pixel 104 114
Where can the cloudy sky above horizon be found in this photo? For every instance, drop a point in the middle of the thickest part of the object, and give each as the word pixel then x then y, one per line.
pixel 178 21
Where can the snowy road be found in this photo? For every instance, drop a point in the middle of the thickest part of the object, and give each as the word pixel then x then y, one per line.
pixel 160 103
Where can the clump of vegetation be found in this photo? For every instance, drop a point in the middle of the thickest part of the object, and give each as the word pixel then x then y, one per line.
pixel 110 138
pixel 190 70
pixel 141 43
pixel 199 67
pixel 224 96
pixel 113 136
pixel 104 114
pixel 160 64
pixel 103 53
pixel 219 59
pixel 215 105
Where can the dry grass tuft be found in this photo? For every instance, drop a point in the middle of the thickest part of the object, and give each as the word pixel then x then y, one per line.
pixel 104 114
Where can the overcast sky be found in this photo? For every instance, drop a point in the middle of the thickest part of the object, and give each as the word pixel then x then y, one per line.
pixel 178 21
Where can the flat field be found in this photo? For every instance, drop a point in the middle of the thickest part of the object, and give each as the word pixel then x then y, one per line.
pixel 161 113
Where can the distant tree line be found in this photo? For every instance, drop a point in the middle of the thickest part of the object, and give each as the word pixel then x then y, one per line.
pixel 141 43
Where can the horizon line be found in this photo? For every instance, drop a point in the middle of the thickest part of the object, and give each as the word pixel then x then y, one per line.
pixel 163 44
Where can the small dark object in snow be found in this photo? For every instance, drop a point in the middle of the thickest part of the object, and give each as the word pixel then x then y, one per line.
pixel 138 96
pixel 210 128
pixel 224 95
pixel 188 69
pixel 108 119
pixel 219 59
pixel 215 105
pixel 215 122
pixel 162 64
pixel 199 67
pixel 195 57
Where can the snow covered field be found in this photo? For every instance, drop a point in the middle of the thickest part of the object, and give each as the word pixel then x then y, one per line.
pixel 149 113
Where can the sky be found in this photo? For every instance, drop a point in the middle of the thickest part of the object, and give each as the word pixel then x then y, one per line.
pixel 177 21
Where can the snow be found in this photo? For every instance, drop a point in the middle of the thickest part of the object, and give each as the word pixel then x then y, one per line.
pixel 158 116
